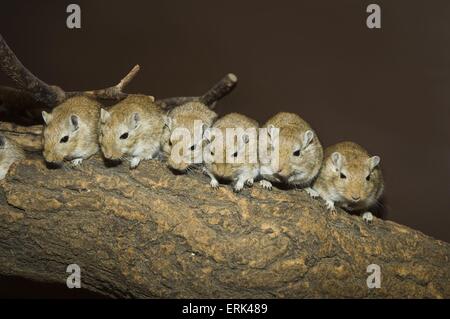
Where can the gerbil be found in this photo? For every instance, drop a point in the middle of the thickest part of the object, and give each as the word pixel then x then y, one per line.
pixel 240 148
pixel 10 152
pixel 132 130
pixel 300 152
pixel 194 118
pixel 71 131
pixel 350 178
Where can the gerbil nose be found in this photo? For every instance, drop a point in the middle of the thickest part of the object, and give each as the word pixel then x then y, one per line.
pixel 106 154
pixel 48 157
pixel 356 198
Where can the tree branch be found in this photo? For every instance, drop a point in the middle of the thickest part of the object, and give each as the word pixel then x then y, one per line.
pixel 217 92
pixel 114 92
pixel 51 95
pixel 24 79
pixel 149 233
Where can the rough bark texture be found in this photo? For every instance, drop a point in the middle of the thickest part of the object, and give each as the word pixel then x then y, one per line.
pixel 150 233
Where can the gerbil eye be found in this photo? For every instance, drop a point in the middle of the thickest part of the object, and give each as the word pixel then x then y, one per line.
pixel 343 176
pixel 296 153
pixel 192 147
pixel 65 139
pixel 235 154
pixel 124 136
pixel 368 178
pixel 170 143
pixel 212 153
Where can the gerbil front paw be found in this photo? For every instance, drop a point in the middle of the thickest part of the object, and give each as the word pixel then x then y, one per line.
pixel 249 182
pixel 76 162
pixel 330 207
pixel 367 217
pixel 134 162
pixel 239 186
pixel 266 184
pixel 311 192
pixel 214 184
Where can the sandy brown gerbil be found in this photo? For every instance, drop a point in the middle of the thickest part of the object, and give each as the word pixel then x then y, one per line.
pixel 350 178
pixel 71 131
pixel 300 152
pixel 132 130
pixel 240 148
pixel 193 119
pixel 10 152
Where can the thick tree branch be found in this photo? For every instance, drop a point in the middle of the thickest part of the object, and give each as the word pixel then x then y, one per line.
pixel 149 233
pixel 25 80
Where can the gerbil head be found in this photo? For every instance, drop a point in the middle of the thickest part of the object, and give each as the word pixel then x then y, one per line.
pixel 183 142
pixel 299 155
pixel 226 153
pixel 356 178
pixel 64 137
pixel 119 132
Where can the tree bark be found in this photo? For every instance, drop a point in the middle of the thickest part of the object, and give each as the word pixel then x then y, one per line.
pixel 150 233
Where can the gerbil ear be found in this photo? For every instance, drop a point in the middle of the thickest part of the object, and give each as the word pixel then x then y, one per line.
pixel 2 141
pixel 307 137
pixel 374 161
pixel 47 117
pixel 135 120
pixel 336 159
pixel 74 122
pixel 104 115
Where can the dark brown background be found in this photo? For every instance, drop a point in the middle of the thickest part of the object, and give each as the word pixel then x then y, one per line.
pixel 387 89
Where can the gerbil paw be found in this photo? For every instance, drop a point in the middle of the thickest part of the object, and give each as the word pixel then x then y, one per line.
pixel 266 184
pixel 249 182
pixel 214 184
pixel 367 217
pixel 134 162
pixel 311 192
pixel 331 208
pixel 238 187
pixel 76 162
